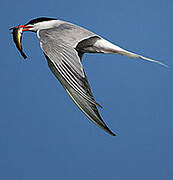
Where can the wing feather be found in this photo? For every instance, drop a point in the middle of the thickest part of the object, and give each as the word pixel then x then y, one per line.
pixel 66 65
pixel 74 75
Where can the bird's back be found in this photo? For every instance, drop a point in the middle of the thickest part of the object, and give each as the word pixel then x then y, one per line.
pixel 69 33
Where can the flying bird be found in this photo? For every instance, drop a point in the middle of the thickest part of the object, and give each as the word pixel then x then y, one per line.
pixel 63 45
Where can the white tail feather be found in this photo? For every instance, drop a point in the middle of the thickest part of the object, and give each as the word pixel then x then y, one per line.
pixel 152 60
pixel 105 46
pixel 133 55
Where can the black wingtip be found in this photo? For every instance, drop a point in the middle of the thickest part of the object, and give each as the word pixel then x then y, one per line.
pixel 114 134
pixel 111 133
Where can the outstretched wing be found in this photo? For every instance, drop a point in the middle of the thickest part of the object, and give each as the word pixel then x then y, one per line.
pixel 65 63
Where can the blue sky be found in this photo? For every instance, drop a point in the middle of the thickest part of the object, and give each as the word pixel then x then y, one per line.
pixel 44 136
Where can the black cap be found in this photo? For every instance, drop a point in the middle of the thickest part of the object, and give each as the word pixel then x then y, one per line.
pixel 40 19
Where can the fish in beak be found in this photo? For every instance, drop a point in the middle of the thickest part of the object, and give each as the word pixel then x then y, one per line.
pixel 17 37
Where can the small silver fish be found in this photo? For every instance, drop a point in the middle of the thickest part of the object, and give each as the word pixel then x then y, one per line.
pixel 17 37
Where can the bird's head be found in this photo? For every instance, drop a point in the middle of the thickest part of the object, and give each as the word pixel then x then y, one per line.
pixel 38 24
pixel 33 25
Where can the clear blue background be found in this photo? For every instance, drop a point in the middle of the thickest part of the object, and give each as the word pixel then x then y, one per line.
pixel 44 136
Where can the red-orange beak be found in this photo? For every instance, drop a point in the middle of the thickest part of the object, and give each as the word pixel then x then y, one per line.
pixel 24 27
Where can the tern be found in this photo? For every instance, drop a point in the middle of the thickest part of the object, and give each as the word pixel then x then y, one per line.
pixel 63 45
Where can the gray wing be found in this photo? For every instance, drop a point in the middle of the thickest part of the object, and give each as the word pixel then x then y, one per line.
pixel 65 63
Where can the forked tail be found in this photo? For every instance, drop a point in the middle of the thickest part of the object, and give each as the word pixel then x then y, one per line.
pixel 105 46
pixel 133 55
